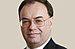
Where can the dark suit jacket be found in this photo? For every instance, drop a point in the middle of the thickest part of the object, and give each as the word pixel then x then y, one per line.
pixel 52 45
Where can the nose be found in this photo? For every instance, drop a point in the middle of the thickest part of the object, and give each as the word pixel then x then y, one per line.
pixel 32 25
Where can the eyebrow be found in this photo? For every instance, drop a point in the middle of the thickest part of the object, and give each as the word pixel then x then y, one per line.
pixel 34 18
pixel 24 19
pixel 39 17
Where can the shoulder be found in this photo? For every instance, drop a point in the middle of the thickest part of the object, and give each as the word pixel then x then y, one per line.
pixel 52 45
pixel 59 47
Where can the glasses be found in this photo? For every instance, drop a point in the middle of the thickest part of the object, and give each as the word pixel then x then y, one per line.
pixel 38 22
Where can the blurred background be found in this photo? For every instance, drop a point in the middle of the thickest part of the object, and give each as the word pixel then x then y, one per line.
pixel 63 31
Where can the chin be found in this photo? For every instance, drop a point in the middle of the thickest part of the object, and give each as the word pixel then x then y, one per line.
pixel 33 41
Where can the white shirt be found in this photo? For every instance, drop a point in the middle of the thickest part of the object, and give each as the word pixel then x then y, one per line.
pixel 42 46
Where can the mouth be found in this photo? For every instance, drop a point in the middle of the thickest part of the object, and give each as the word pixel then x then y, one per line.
pixel 33 35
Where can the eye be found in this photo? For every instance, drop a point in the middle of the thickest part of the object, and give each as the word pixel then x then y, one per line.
pixel 25 22
pixel 39 21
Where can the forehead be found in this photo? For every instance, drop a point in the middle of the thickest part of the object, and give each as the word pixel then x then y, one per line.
pixel 34 10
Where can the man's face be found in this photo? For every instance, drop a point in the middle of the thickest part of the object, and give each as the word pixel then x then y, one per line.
pixel 36 24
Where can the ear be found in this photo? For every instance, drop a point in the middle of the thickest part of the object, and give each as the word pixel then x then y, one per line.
pixel 51 21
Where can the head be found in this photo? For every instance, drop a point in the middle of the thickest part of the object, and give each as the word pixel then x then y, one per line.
pixel 35 17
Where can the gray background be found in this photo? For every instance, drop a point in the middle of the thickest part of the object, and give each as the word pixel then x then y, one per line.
pixel 63 30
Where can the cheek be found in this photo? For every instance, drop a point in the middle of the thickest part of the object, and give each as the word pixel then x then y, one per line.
pixel 43 33
pixel 24 30
pixel 46 28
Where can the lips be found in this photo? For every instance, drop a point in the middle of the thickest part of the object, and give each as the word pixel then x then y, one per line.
pixel 32 35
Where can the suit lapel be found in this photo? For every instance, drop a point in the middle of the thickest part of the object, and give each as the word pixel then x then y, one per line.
pixel 24 48
pixel 50 45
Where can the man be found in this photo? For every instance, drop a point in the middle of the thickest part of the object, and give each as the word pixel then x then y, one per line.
pixel 36 22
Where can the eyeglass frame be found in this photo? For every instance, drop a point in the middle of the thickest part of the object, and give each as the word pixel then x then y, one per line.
pixel 34 22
